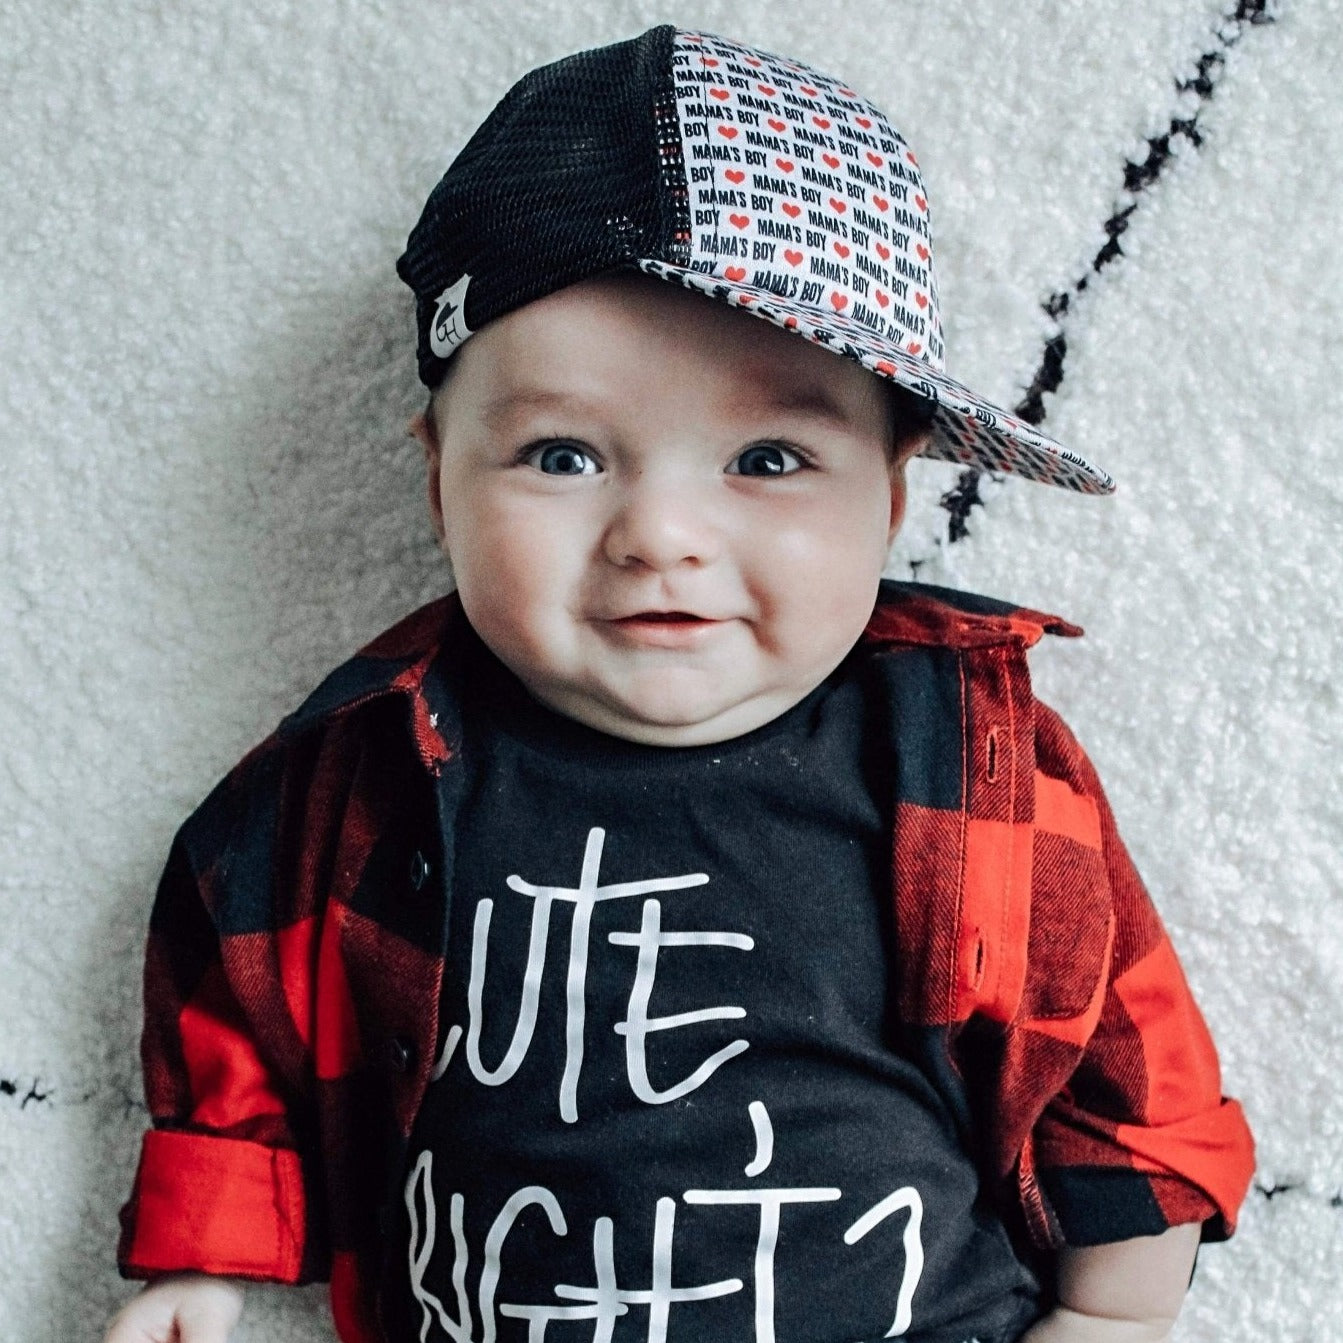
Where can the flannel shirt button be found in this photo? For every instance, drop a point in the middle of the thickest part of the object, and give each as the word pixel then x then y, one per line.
pixel 400 1051
pixel 419 870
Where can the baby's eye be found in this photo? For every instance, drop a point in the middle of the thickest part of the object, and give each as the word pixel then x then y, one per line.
pixel 561 459
pixel 768 459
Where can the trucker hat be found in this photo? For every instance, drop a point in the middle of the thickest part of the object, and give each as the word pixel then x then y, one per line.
pixel 757 180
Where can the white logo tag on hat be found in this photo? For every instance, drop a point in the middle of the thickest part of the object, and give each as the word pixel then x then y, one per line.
pixel 449 329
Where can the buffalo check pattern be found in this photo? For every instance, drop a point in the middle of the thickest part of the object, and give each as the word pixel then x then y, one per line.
pixel 296 945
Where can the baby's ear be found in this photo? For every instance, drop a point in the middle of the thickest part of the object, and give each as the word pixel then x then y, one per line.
pixel 907 448
pixel 421 428
pixel 912 445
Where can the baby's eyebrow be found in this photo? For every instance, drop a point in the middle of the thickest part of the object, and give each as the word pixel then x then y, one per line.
pixel 530 399
pixel 769 398
pixel 810 401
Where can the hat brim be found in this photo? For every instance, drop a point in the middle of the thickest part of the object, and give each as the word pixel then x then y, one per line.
pixel 966 428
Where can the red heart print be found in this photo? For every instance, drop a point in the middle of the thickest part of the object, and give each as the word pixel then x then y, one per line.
pixel 785 165
pixel 791 210
pixel 848 93
pixel 708 60
pixel 822 122
pixel 808 90
pixel 882 298
pixel 792 257
pixel 739 221
pixel 881 203
pixel 921 299
pixel 751 60
pixel 721 94
pixel 728 132
pixel 776 125
pixel 735 272
pixel 767 89
pixel 837 206
pixel 841 249
pixel 790 323
pixel 913 347
pixel 909 154
pixel 839 301
pixel 920 202
pixel 885 366
pixel 874 159
pixel 831 160
pixel 883 251
pixel 744 299
pixel 922 251
pixel 864 122
pixel 735 175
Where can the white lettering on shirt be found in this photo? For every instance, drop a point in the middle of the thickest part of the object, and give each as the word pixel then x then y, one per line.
pixel 637 1023
pixel 606 1300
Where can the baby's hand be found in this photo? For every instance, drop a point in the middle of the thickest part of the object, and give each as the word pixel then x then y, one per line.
pixel 1127 1291
pixel 180 1308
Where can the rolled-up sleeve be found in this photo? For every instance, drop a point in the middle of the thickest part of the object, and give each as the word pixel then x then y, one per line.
pixel 223 1184
pixel 1141 1138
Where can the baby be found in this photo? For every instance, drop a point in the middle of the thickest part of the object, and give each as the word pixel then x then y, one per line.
pixel 678 932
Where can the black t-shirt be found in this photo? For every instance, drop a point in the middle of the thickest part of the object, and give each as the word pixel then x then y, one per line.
pixel 669 1105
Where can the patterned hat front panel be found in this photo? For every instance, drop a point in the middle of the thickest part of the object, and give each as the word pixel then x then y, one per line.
pixel 800 187
pixel 807 209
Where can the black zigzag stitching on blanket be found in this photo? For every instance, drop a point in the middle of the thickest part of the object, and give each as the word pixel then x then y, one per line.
pixel 1270 1188
pixel 1138 177
pixel 9 1087
pixel 112 1095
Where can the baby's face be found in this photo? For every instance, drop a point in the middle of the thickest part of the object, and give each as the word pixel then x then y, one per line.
pixel 668 518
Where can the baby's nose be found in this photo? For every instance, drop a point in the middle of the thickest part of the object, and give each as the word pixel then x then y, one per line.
pixel 661 524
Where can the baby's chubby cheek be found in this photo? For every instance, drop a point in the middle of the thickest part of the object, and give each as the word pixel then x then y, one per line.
pixel 526 608
pixel 518 625
pixel 819 585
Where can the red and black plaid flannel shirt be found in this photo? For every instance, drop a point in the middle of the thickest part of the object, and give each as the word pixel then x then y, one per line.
pixel 296 949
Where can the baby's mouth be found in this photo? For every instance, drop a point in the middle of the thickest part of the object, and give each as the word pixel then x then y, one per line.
pixel 683 630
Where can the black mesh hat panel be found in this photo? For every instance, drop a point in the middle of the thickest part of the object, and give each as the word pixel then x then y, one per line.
pixel 577 169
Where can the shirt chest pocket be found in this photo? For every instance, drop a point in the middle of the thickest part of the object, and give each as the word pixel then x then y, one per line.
pixel 1071 931
pixel 1035 931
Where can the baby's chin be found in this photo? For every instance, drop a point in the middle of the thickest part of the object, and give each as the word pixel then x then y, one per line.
pixel 671 715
